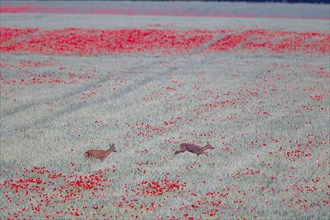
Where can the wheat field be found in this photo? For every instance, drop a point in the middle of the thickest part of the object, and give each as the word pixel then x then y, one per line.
pixel 265 109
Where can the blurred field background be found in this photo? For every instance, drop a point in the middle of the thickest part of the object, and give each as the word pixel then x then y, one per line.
pixel 257 89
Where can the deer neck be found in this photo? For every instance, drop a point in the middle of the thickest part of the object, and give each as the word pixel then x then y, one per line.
pixel 108 152
pixel 204 148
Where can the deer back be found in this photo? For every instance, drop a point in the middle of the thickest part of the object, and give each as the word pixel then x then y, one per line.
pixel 96 153
pixel 193 148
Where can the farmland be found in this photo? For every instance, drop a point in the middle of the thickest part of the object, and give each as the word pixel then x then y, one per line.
pixel 257 90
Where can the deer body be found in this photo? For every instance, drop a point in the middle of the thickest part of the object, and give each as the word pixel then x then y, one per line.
pixel 100 154
pixel 192 148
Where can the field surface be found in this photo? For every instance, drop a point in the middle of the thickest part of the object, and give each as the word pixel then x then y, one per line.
pixel 257 89
pixel 190 9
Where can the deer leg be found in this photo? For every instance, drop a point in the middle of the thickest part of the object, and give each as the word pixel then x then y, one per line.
pixel 199 153
pixel 179 151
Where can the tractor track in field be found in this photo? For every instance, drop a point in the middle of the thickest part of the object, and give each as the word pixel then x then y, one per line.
pixel 71 107
pixel 55 114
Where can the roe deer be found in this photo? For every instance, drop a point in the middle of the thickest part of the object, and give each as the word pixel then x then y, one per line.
pixel 193 148
pixel 100 154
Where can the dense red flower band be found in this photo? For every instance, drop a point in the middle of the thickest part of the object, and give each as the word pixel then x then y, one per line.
pixel 77 41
